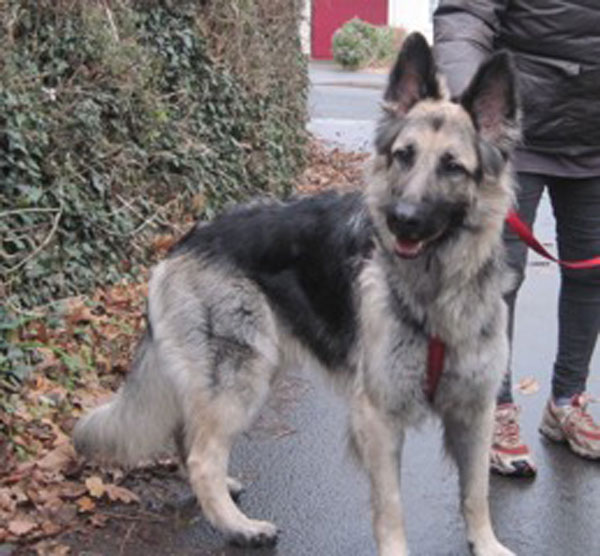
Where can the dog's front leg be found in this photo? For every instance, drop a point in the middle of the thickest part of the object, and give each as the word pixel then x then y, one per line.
pixel 468 441
pixel 379 444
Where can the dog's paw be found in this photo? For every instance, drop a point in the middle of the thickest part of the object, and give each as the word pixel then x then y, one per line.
pixel 257 534
pixel 491 548
pixel 391 551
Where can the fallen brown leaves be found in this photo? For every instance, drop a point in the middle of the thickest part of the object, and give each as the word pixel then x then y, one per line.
pixel 332 169
pixel 83 349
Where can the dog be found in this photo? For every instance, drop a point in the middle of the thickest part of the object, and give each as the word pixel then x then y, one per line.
pixel 361 284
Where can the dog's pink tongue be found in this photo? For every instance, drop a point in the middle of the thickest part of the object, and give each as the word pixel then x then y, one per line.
pixel 406 248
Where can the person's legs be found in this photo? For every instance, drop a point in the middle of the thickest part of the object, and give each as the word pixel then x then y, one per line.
pixel 576 206
pixel 509 454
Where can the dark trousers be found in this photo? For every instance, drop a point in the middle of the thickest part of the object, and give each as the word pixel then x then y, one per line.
pixel 576 207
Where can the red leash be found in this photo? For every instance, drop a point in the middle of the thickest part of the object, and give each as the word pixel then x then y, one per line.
pixel 526 235
pixel 437 348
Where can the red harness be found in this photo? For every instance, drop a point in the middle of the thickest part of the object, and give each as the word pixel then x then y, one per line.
pixel 437 348
pixel 435 366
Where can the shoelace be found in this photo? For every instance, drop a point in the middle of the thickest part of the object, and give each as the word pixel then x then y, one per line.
pixel 580 403
pixel 509 427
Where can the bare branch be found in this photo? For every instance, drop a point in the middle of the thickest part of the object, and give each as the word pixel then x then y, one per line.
pixel 41 246
pixel 111 22
pixel 27 210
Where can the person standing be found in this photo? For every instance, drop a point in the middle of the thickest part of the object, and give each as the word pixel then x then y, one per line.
pixel 556 48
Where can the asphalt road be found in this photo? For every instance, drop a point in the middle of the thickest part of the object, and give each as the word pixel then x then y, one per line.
pixel 294 461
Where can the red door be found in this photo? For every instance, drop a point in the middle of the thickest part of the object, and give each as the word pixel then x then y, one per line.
pixel 329 15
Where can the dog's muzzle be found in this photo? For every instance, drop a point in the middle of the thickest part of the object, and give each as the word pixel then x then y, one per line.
pixel 416 225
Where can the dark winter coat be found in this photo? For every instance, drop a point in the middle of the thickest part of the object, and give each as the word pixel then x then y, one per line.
pixel 556 44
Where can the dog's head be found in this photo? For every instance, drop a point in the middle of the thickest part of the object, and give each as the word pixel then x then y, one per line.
pixel 442 165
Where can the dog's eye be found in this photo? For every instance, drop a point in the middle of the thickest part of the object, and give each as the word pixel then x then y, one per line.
pixel 405 156
pixel 451 167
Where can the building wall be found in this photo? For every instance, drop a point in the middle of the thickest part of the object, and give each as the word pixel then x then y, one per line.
pixel 305 27
pixel 412 15
pixel 330 15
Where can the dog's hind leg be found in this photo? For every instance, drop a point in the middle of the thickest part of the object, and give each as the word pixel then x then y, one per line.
pixel 211 430
pixel 234 486
pixel 468 440
pixel 378 444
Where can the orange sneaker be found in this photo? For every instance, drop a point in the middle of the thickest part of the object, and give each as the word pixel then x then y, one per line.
pixel 572 424
pixel 509 455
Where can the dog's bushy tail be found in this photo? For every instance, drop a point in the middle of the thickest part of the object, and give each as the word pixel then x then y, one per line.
pixel 139 421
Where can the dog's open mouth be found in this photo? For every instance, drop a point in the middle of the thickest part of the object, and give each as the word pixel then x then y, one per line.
pixel 409 249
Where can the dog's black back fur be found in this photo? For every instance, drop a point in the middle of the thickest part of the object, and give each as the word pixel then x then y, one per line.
pixel 305 255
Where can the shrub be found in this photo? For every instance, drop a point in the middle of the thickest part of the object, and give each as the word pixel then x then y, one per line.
pixel 386 44
pixel 118 118
pixel 358 44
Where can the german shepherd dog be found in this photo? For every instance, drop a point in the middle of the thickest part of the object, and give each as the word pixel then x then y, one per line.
pixel 359 284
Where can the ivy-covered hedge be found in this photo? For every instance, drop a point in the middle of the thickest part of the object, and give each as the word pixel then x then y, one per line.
pixel 117 116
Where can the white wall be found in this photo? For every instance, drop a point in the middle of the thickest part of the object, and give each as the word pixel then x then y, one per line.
pixel 305 27
pixel 413 15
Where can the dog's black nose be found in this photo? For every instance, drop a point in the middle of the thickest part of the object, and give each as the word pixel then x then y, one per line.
pixel 406 220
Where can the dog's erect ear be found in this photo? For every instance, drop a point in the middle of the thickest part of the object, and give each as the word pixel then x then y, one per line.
pixel 413 76
pixel 492 100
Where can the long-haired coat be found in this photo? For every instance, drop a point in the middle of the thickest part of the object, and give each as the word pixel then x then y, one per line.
pixel 359 284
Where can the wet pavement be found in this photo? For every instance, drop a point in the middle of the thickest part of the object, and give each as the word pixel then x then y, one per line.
pixel 294 460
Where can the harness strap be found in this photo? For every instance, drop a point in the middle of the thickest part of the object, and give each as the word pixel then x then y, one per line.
pixel 435 366
pixel 437 349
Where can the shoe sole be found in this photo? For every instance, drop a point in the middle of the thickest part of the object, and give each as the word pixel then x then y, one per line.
pixel 528 473
pixel 552 432
pixel 521 470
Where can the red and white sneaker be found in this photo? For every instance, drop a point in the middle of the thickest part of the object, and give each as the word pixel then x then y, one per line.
pixel 572 424
pixel 510 456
